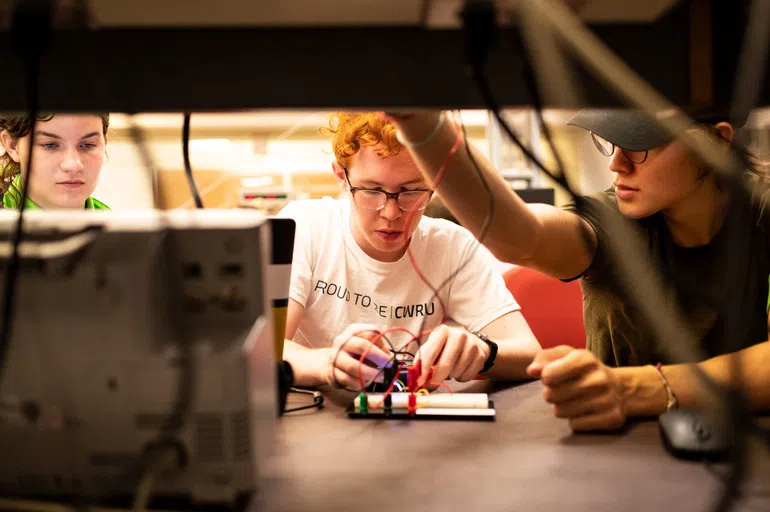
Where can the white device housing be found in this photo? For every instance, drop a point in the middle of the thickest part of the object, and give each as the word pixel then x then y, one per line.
pixel 106 304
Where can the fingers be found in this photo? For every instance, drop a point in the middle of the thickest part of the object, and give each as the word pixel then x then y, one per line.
pixel 605 420
pixel 453 347
pixel 588 384
pixel 572 366
pixel 584 391
pixel 430 352
pixel 346 372
pixel 582 405
pixel 431 386
pixel 546 356
pixel 448 352
pixel 371 333
pixel 471 360
pixel 358 346
pixel 439 353
pixel 452 353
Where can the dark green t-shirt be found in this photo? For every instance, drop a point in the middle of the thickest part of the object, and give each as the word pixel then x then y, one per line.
pixel 615 331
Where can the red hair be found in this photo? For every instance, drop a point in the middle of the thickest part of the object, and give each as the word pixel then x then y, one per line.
pixel 351 131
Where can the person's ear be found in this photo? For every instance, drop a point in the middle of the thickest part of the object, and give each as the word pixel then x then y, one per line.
pixel 726 131
pixel 11 146
pixel 339 173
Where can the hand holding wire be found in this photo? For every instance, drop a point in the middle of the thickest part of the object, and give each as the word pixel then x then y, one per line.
pixel 345 356
pixel 451 352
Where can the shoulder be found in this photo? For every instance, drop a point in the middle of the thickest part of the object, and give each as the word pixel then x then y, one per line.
pixel 593 208
pixel 444 232
pixel 597 210
pixel 312 210
pixel 591 204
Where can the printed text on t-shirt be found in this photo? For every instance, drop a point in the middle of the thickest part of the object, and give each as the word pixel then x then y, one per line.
pixel 333 290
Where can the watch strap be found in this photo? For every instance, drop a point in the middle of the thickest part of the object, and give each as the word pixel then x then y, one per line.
pixel 492 350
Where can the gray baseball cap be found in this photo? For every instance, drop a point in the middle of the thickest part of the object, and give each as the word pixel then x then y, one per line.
pixel 636 130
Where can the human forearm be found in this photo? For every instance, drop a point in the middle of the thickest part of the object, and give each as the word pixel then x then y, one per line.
pixel 513 357
pixel 517 346
pixel 309 365
pixel 538 236
pixel 645 394
pixel 513 229
pixel 755 377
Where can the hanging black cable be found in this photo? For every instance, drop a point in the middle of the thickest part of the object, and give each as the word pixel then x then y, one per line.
pixel 187 167
pixel 31 28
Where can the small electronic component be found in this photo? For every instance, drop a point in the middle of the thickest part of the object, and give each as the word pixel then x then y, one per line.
pixel 389 375
pixel 400 396
pixel 363 403
pixel 459 406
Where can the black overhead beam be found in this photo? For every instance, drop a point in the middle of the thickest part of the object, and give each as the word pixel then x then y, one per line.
pixel 145 70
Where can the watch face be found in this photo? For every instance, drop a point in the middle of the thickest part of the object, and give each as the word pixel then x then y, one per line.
pixel 492 350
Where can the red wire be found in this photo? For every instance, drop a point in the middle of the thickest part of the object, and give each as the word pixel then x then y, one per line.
pixel 444 165
pixel 440 174
pixel 373 342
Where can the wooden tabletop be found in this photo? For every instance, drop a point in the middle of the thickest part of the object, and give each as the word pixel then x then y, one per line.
pixel 525 460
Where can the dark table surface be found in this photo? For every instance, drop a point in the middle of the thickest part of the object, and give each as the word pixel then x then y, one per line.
pixel 525 460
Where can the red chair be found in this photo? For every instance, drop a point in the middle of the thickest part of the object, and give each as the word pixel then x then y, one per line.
pixel 553 309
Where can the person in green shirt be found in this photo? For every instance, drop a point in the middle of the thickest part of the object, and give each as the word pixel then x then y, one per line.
pixel 68 157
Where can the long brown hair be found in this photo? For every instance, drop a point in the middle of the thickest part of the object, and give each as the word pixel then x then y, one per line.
pixel 18 127
pixel 756 166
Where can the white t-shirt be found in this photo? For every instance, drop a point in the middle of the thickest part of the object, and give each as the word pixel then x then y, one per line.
pixel 339 284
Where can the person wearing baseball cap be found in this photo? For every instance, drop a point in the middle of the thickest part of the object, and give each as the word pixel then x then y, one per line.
pixel 685 213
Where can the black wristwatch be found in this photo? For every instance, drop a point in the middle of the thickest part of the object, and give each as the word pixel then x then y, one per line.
pixel 492 350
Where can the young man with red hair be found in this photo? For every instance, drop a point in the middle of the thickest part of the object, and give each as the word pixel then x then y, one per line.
pixel 351 275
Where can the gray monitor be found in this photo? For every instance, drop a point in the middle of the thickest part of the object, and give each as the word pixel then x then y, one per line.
pixel 124 319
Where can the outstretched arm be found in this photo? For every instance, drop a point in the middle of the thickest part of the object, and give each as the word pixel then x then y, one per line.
pixel 541 237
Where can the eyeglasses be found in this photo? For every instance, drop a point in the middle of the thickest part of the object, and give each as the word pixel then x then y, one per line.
pixel 607 148
pixel 374 199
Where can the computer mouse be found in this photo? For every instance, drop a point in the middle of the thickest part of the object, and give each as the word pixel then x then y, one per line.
pixel 695 434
